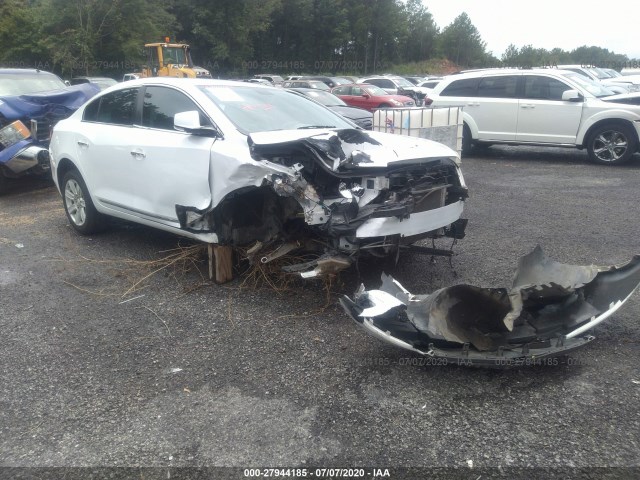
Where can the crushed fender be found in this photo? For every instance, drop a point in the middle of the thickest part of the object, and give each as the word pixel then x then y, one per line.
pixel 545 314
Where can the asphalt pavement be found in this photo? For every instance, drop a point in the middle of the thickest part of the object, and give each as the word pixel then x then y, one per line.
pixel 180 372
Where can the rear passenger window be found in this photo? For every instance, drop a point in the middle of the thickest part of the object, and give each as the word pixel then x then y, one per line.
pixel 162 103
pixel 461 88
pixel 498 87
pixel 115 108
pixel 91 111
pixel 342 90
pixel 543 88
pixel 381 82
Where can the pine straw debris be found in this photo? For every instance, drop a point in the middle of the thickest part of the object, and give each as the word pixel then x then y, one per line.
pixel 182 260
pixel 175 263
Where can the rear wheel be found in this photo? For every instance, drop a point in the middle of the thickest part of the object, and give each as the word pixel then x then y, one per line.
pixel 81 212
pixel 613 143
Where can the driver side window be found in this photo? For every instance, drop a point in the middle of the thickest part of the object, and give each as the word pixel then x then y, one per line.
pixel 544 88
pixel 162 103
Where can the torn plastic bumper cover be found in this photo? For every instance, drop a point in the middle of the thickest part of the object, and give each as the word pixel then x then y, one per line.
pixel 545 314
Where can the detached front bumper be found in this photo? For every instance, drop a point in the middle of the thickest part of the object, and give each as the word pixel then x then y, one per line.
pixel 546 314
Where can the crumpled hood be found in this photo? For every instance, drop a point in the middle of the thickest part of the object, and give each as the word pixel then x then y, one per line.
pixel 358 147
pixel 58 102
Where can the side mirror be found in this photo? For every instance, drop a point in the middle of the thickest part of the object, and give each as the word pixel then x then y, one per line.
pixel 572 96
pixel 190 122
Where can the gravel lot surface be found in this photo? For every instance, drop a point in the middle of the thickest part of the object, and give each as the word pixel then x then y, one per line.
pixel 195 374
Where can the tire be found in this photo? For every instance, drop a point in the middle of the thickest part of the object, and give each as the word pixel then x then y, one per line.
pixel 467 146
pixel 612 144
pixel 81 212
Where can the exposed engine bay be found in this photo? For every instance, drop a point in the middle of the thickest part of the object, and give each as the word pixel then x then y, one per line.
pixel 339 195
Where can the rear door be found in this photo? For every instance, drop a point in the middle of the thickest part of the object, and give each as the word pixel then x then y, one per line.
pixel 495 107
pixel 357 98
pixel 103 145
pixel 542 115
pixel 345 93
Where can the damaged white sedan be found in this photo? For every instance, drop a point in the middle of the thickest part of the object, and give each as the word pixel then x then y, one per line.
pixel 244 165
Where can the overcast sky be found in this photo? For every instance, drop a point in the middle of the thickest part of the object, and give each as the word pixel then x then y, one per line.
pixel 567 24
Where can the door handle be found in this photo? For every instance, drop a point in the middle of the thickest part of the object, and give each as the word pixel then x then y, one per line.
pixel 473 104
pixel 137 153
pixel 527 105
pixel 83 144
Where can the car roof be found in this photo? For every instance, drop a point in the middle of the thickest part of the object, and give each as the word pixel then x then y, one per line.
pixel 505 71
pixel 95 78
pixel 182 82
pixel 24 71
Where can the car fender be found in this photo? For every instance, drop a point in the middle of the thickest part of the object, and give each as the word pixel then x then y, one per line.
pixel 471 123
pixel 609 115
pixel 62 154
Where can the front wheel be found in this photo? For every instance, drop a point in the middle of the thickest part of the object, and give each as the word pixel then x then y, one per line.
pixel 612 144
pixel 81 212
pixel 466 140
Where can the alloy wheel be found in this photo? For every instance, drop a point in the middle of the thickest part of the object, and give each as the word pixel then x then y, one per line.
pixel 75 202
pixel 610 145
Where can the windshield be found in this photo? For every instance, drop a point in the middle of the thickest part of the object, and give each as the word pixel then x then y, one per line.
pixel 373 90
pixel 174 56
pixel 403 82
pixel 319 86
pixel 267 109
pixel 594 88
pixel 324 98
pixel 103 82
pixel 598 73
pixel 21 84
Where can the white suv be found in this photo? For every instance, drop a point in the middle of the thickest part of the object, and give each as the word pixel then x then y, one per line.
pixel 542 107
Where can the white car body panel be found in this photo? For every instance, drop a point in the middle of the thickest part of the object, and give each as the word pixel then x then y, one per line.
pixel 493 117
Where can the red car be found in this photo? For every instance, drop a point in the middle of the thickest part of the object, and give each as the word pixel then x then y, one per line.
pixel 370 97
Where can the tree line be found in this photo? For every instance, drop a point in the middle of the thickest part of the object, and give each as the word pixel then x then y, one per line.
pixel 245 37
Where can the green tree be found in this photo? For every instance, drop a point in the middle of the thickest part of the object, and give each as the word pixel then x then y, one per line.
pixel 419 43
pixel 21 35
pixel 461 43
pixel 224 31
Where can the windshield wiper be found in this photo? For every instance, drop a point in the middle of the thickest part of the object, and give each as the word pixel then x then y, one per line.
pixel 316 126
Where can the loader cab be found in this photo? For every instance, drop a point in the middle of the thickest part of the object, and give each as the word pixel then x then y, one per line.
pixel 165 59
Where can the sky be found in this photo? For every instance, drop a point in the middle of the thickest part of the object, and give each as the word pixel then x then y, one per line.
pixel 547 24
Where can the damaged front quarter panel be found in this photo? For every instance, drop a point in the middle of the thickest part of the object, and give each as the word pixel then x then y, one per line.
pixel 545 314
